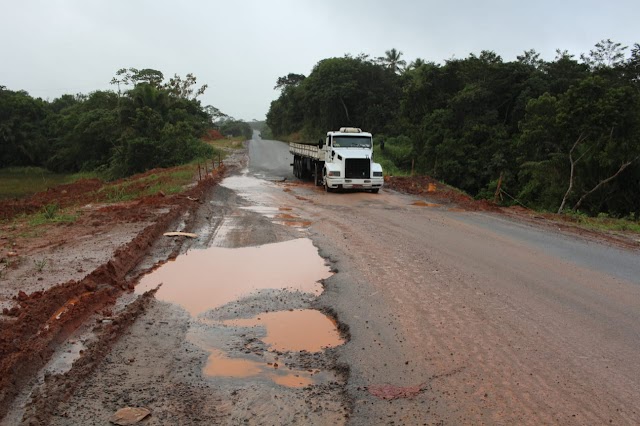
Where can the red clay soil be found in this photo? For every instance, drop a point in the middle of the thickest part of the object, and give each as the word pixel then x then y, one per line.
pixel 429 187
pixel 44 318
pixel 212 135
pixel 75 193
pixel 434 190
pixel 61 387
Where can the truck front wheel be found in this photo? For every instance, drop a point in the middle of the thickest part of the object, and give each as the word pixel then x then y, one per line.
pixel 327 188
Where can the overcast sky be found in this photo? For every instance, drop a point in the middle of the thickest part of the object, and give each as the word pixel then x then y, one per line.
pixel 239 48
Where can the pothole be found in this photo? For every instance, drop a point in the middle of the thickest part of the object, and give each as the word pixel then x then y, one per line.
pixel 206 279
pixel 220 365
pixel 256 191
pixel 297 330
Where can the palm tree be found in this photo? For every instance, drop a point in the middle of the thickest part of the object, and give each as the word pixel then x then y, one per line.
pixel 416 64
pixel 392 60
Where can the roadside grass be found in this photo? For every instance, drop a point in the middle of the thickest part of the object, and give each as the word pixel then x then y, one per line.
pixel 17 182
pixel 396 156
pixel 389 168
pixel 167 181
pixel 604 223
pixel 222 146
pixel 51 213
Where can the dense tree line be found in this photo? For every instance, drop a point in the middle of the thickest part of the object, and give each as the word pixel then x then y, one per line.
pixel 147 123
pixel 555 134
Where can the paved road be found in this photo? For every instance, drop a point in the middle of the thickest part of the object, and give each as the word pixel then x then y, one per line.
pixel 270 159
pixel 458 317
pixel 481 319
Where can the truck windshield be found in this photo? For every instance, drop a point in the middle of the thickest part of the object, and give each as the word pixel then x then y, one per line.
pixel 352 141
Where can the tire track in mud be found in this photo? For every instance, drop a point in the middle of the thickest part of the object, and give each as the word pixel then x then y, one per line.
pixel 28 341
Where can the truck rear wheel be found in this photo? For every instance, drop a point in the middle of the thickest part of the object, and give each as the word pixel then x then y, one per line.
pixel 296 166
pixel 316 175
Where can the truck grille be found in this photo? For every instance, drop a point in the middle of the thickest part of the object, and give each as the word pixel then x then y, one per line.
pixel 357 168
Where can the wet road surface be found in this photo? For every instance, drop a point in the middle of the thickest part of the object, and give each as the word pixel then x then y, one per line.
pixel 493 321
pixel 371 309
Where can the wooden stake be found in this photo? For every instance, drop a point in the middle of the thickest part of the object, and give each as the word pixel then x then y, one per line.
pixel 498 188
pixel 199 173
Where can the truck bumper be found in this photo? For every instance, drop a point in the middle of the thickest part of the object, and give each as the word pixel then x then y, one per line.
pixel 338 183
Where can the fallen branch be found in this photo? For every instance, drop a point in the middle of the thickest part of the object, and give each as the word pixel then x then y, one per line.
pixel 604 182
pixel 573 166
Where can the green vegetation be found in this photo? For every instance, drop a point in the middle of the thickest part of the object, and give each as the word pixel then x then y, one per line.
pixel 227 144
pixel 604 223
pixel 40 264
pixel 16 182
pixel 166 181
pixel 563 134
pixel 261 126
pixel 51 213
pixel 148 123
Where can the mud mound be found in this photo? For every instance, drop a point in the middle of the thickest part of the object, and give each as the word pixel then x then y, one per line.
pixel 429 187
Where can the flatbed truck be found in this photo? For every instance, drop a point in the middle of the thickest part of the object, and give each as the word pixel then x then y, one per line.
pixel 343 160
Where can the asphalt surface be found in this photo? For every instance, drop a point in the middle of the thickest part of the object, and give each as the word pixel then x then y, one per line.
pixel 448 317
pixel 473 318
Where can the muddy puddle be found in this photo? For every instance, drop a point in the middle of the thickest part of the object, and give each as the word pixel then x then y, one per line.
pixel 65 356
pixel 297 330
pixel 254 190
pixel 301 330
pixel 257 191
pixel 221 365
pixel 291 220
pixel 206 279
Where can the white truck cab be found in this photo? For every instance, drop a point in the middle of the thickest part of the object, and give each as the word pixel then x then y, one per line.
pixel 343 160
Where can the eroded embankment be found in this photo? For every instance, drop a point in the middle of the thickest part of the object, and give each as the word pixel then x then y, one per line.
pixel 60 387
pixel 44 318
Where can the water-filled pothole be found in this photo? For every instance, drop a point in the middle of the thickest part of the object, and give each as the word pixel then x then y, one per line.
pixel 297 330
pixel 220 365
pixel 205 279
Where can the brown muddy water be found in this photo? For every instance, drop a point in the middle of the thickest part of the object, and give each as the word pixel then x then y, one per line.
pixel 297 330
pixel 206 279
pixel 221 365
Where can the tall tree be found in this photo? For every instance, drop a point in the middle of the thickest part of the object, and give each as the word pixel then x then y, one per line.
pixel 392 61
pixel 606 54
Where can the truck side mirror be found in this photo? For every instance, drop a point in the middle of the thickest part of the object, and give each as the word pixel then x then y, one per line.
pixel 320 143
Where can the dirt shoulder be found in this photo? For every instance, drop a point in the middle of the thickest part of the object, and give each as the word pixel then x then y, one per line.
pixel 435 190
pixel 56 274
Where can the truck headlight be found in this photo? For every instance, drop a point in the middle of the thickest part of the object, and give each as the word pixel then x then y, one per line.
pixel 377 174
pixel 336 174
